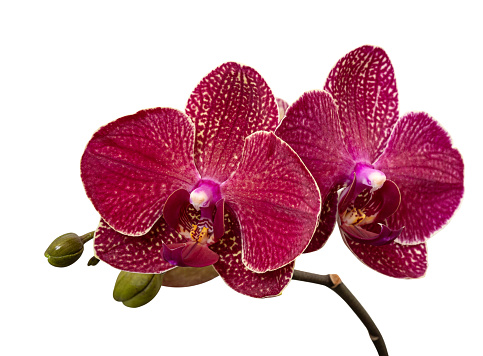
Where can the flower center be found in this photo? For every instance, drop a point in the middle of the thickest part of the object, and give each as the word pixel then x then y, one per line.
pixel 353 216
pixel 369 176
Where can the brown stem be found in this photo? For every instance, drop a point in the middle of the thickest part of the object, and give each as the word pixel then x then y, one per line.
pixel 334 282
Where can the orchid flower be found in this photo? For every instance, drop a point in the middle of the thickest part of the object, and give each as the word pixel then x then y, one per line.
pixel 402 178
pixel 213 186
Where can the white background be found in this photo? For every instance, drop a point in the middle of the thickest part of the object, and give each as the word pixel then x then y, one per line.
pixel 66 69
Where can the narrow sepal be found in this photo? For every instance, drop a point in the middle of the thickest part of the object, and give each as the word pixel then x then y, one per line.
pixel 240 278
pixel 394 260
pixel 363 86
pixel 229 104
pixel 428 171
pixel 276 201
pixel 141 254
pixel 132 165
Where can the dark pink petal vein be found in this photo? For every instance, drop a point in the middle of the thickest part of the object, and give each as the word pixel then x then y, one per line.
pixel 133 164
pixel 276 201
pixel 229 104
pixel 428 171
pixel 363 86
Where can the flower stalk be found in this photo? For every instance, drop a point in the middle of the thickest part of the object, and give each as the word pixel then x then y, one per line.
pixel 87 237
pixel 334 282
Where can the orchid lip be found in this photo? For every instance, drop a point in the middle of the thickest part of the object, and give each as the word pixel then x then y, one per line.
pixel 362 211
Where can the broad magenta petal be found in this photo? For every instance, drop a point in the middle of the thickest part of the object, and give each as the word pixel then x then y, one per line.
pixel 229 104
pixel 132 165
pixel 363 86
pixel 141 254
pixel 240 278
pixel 311 127
pixel 189 254
pixel 394 260
pixel 326 224
pixel 428 171
pixel 276 201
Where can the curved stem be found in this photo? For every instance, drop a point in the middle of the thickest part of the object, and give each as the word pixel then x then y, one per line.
pixel 334 282
pixel 87 237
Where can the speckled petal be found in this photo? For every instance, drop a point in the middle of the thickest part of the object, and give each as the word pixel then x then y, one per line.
pixel 394 260
pixel 420 159
pixel 236 275
pixel 276 201
pixel 311 127
pixel 133 164
pixel 363 86
pixel 229 104
pixel 141 254
pixel 326 223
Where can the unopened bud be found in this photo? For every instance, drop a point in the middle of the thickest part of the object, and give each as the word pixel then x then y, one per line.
pixel 64 250
pixel 136 289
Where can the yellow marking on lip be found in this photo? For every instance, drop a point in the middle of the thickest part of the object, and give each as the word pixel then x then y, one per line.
pixel 353 216
pixel 199 236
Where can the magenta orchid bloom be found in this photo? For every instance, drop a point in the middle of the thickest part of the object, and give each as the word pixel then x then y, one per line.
pixel 214 186
pixel 403 179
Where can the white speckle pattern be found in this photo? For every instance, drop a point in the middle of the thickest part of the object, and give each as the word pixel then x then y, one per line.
pixel 229 104
pixel 276 201
pixel 363 86
pixel 394 260
pixel 428 171
pixel 237 275
pixel 133 164
pixel 140 254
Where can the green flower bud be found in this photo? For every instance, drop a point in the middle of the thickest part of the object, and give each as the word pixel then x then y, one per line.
pixel 136 289
pixel 65 250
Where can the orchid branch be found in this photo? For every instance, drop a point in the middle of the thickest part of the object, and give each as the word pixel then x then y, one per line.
pixel 334 282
